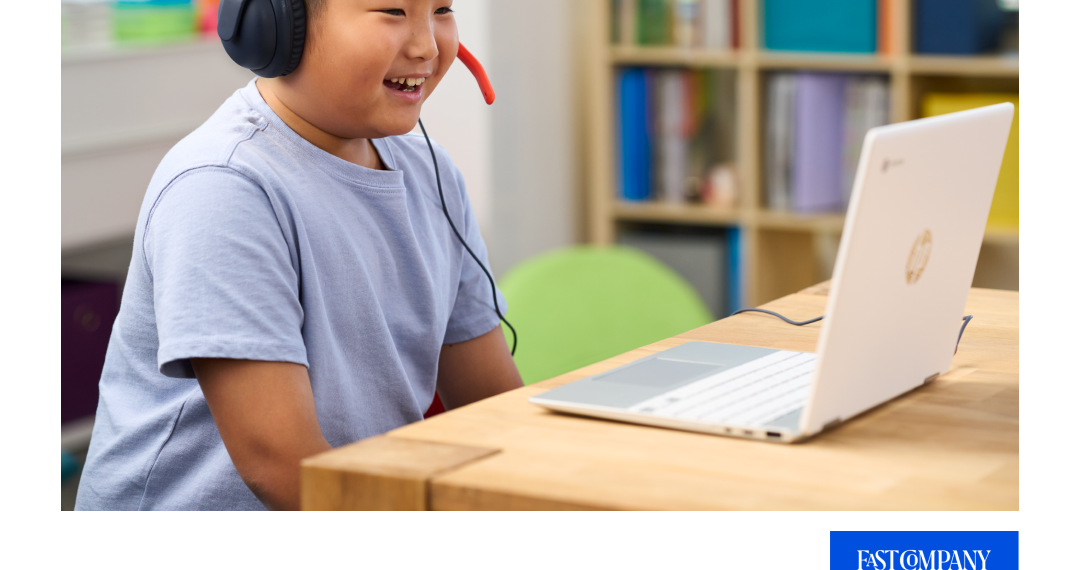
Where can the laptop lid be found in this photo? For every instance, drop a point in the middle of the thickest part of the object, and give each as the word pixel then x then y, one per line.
pixel 906 259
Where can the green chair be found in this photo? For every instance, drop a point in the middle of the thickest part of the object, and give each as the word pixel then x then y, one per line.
pixel 580 305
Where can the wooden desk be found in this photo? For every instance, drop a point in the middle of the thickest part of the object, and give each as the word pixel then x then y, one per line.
pixel 953 444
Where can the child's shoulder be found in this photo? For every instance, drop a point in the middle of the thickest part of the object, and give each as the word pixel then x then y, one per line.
pixel 215 143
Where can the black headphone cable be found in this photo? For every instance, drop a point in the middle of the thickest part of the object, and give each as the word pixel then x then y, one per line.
pixel 966 320
pixel 494 295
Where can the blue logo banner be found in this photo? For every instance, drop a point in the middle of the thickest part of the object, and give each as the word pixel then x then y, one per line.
pixel 924 550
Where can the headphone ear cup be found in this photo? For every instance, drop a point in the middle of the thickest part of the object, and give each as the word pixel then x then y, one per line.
pixel 299 35
pixel 269 38
pixel 255 41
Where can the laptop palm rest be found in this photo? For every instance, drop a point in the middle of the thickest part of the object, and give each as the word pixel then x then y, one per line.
pixel 656 374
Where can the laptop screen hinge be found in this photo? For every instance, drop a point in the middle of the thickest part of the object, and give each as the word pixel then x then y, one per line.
pixel 931 378
pixel 830 425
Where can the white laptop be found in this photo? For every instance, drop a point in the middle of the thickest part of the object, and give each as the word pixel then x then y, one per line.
pixel 906 260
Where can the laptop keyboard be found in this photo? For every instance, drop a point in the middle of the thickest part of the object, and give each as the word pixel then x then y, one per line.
pixel 750 394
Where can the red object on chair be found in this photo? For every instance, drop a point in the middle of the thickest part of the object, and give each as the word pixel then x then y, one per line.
pixel 435 409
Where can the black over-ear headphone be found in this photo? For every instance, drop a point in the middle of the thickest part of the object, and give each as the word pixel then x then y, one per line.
pixel 265 36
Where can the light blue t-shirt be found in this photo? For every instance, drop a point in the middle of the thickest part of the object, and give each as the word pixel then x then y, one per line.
pixel 254 244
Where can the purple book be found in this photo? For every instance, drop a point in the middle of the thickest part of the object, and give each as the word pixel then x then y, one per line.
pixel 817 164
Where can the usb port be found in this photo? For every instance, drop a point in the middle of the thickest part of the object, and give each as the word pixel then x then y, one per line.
pixel 772 434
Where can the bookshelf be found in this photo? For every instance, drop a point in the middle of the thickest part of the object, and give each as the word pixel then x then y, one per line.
pixel 781 252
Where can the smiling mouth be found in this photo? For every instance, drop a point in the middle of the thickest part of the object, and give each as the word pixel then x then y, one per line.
pixel 408 85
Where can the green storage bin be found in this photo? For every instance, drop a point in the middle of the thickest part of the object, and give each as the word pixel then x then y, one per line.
pixel 155 21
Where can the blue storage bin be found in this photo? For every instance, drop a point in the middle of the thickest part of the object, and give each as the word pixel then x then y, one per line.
pixel 957 26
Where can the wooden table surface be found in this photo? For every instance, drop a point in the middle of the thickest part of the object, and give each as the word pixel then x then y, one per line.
pixel 953 444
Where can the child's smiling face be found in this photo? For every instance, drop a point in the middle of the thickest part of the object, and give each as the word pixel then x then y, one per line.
pixel 359 58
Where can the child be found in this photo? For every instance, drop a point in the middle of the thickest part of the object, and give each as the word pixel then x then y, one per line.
pixel 294 284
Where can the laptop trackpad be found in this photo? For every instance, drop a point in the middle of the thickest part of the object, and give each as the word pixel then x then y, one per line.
pixel 657 373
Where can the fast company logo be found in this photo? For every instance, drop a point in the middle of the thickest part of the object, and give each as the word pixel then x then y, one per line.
pixel 923 550
pixel 923 559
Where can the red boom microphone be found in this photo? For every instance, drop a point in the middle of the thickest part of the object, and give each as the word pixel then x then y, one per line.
pixel 478 72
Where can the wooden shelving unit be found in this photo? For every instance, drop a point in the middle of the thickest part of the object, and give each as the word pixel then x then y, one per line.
pixel 782 252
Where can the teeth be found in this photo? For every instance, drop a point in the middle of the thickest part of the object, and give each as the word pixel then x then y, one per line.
pixel 410 82
pixel 419 80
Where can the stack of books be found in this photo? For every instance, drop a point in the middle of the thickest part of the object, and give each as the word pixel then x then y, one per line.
pixel 708 24
pixel 815 126
pixel 674 133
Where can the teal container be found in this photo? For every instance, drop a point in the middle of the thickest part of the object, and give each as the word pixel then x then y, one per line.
pixel 848 26
pixel 69 466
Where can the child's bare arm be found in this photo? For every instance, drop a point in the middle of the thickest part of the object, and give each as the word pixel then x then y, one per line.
pixel 265 412
pixel 476 369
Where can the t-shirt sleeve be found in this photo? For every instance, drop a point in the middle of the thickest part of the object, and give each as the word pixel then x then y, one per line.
pixel 224 281
pixel 474 308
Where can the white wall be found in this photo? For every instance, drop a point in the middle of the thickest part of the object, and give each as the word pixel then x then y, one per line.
pixel 535 183
pixel 456 115
pixel 120 113
pixel 519 156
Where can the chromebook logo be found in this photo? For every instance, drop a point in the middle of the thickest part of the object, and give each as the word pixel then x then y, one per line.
pixel 920 254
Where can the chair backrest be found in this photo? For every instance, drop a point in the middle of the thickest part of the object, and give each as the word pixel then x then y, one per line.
pixel 583 304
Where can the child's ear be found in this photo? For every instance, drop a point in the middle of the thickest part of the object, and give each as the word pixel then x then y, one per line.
pixel 478 72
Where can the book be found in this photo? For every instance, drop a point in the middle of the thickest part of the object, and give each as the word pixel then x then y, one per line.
pixel 686 22
pixel 1005 208
pixel 716 24
pixel 672 126
pixel 885 40
pixel 957 26
pixel 628 22
pixel 654 22
pixel 736 36
pixel 734 272
pixel 635 145
pixel 866 105
pixel 779 123
pixel 615 21
pixel 817 157
pixel 834 26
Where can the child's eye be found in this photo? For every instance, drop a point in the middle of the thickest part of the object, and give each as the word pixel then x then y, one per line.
pixel 394 11
pixel 443 10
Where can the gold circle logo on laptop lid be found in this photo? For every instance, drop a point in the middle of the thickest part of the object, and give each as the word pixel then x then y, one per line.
pixel 920 254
